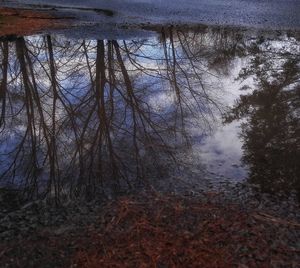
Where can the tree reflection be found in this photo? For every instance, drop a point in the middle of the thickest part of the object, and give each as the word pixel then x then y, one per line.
pixel 80 117
pixel 271 132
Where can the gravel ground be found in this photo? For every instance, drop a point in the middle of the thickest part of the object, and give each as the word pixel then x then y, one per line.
pixel 38 234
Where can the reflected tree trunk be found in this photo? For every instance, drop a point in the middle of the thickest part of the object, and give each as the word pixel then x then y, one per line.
pixel 54 169
pixel 3 83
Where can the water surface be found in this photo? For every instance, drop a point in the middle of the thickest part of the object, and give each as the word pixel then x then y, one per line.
pixel 193 107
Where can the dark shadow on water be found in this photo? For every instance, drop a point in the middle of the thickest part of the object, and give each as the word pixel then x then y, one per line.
pixel 271 131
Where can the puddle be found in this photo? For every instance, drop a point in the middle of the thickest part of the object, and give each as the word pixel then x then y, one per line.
pixel 179 107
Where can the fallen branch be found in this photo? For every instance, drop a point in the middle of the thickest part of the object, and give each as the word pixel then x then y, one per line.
pixel 266 217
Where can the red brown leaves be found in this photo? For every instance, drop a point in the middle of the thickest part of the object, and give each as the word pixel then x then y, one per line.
pixel 151 230
pixel 26 22
pixel 160 231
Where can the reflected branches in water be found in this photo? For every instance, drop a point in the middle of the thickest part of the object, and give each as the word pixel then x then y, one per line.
pixel 271 113
pixel 79 117
pixel 87 117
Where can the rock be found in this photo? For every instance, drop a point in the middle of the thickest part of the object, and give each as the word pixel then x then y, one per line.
pixel 61 230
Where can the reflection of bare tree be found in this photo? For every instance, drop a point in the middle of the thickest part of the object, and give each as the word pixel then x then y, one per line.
pixel 84 114
pixel 188 73
pixel 3 84
pixel 272 131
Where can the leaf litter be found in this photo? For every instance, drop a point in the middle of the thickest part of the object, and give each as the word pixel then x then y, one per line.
pixel 164 230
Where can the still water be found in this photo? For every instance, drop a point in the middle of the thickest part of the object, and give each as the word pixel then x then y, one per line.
pixel 79 116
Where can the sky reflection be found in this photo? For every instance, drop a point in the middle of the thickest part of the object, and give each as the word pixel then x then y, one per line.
pixel 81 116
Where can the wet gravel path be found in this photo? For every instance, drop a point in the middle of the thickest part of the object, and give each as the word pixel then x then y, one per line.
pixel 274 14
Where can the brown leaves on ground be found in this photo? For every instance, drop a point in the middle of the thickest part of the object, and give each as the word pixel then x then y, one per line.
pixel 152 230
pixel 25 22
pixel 157 231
